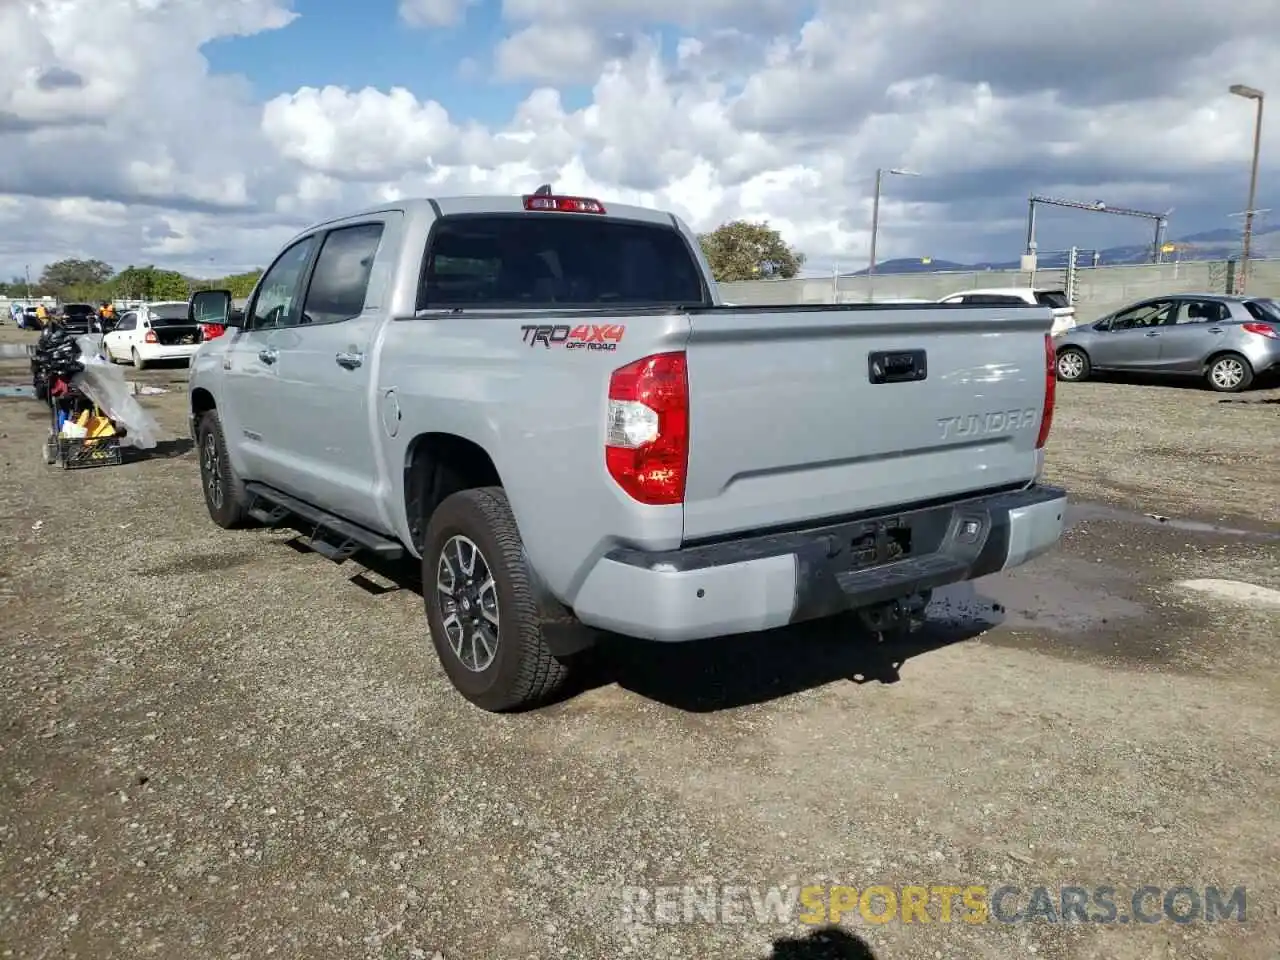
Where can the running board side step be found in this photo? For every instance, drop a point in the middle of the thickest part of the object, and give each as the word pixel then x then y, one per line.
pixel 333 537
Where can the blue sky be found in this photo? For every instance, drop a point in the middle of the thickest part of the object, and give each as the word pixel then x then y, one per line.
pixel 353 45
pixel 357 44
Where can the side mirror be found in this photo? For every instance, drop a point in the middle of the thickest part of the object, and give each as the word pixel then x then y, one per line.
pixel 211 306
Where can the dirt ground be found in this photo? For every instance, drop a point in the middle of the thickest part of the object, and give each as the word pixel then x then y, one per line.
pixel 215 745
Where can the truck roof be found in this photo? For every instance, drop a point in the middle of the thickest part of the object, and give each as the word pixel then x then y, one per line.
pixel 495 203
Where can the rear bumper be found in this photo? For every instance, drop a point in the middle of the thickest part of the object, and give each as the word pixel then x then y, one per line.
pixel 1264 355
pixel 762 582
pixel 160 351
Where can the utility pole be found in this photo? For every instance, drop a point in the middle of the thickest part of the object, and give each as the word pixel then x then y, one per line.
pixel 875 218
pixel 1249 93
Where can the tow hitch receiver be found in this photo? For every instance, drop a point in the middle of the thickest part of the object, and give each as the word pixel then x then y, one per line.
pixel 896 613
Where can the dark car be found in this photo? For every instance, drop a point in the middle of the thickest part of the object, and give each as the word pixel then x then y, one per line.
pixel 80 317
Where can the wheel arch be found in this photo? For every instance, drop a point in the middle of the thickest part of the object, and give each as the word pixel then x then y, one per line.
pixel 1219 354
pixel 437 465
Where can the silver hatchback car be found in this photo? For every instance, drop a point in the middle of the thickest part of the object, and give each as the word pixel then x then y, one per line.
pixel 1229 341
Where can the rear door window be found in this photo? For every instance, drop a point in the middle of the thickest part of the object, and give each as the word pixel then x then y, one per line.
pixel 1203 311
pixel 341 277
pixel 538 260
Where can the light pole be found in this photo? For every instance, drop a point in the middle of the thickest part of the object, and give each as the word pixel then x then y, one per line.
pixel 1249 93
pixel 875 217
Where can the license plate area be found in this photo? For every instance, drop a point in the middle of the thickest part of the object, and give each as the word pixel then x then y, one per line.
pixel 877 542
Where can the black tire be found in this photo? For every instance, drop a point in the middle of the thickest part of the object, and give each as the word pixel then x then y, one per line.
pixel 523 672
pixel 230 509
pixel 138 362
pixel 1077 365
pixel 1229 373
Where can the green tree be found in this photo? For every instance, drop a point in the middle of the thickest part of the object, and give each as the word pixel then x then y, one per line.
pixel 150 283
pixel 67 278
pixel 743 250
pixel 240 284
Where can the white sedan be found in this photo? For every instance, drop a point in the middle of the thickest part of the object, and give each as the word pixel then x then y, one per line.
pixel 154 331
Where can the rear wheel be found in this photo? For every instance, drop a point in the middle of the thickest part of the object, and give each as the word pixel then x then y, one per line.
pixel 1073 364
pixel 138 362
pixel 480 606
pixel 224 492
pixel 1229 373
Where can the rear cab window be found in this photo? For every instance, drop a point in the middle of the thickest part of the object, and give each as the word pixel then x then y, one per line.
pixel 554 260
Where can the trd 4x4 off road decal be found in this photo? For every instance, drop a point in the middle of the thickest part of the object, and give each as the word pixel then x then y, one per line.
pixel 581 337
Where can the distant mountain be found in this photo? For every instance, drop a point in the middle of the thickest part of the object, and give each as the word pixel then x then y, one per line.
pixel 1220 244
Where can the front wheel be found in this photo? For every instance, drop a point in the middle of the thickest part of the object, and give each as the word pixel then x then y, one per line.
pixel 1073 364
pixel 480 605
pixel 1229 373
pixel 224 492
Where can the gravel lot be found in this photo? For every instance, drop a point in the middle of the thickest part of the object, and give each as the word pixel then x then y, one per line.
pixel 218 746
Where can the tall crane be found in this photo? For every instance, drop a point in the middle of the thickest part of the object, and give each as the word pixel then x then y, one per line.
pixel 1161 220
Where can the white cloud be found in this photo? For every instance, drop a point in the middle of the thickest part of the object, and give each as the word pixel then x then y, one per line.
pixel 746 113
pixel 434 13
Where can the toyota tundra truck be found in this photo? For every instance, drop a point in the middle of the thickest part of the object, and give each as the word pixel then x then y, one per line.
pixel 543 401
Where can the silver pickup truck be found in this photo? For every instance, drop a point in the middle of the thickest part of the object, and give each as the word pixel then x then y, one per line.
pixel 544 400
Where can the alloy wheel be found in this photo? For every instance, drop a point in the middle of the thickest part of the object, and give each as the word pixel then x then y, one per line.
pixel 1070 365
pixel 210 466
pixel 468 597
pixel 1227 373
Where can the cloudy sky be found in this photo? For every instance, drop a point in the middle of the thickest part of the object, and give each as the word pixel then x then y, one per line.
pixel 199 134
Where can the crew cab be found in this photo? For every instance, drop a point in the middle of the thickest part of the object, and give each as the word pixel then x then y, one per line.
pixel 542 399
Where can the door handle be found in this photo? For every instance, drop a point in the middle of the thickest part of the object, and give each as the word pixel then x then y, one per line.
pixel 1215 329
pixel 269 355
pixel 1153 334
pixel 350 360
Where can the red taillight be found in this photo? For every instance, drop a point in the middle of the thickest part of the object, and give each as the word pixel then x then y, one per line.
pixel 1050 390
pixel 563 204
pixel 151 337
pixel 211 331
pixel 647 440
pixel 1262 329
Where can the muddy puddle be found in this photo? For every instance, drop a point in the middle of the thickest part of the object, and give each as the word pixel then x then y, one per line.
pixel 1082 512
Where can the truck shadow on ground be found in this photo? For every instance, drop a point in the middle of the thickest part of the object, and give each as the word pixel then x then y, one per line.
pixel 705 676
pixel 724 673
pixel 829 943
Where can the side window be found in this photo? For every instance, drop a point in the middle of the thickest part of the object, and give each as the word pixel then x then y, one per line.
pixel 274 304
pixel 1258 310
pixel 341 277
pixel 128 322
pixel 1202 311
pixel 1144 315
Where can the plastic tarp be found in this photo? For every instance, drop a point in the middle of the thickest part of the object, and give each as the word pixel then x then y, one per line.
pixel 104 383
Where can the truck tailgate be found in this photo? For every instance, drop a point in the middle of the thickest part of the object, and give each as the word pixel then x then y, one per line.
pixel 788 424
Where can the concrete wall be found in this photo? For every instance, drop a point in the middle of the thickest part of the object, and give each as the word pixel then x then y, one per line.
pixel 1099 290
